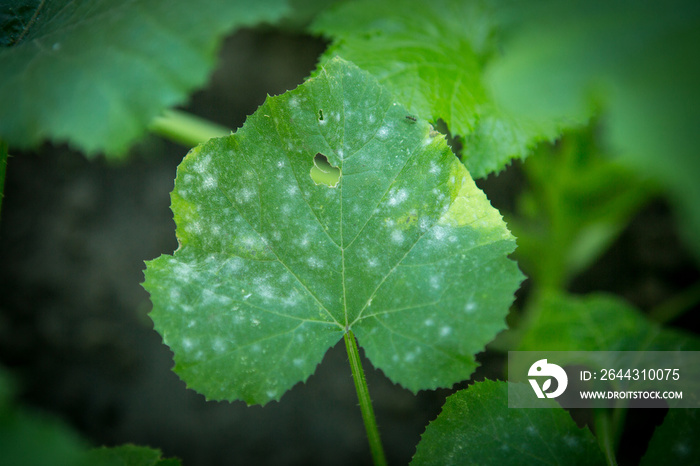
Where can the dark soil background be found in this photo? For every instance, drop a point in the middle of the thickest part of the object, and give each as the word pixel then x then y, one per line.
pixel 74 236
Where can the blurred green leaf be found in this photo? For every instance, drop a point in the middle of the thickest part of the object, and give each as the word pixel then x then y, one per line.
pixel 15 17
pixel 30 438
pixel 129 455
pixel 95 74
pixel 637 62
pixel 598 323
pixel 676 440
pixel 431 56
pixel 476 426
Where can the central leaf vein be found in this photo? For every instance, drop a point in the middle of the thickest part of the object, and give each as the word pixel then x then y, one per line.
pixel 381 199
pixel 298 279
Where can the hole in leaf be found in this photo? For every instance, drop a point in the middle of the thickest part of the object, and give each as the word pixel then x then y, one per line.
pixel 320 114
pixel 324 173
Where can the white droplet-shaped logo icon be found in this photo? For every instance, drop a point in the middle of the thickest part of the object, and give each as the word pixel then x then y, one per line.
pixel 543 368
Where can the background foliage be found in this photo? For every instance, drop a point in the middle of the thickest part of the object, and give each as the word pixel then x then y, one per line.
pixel 612 86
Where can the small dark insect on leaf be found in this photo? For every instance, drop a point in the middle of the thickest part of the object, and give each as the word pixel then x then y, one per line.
pixel 411 118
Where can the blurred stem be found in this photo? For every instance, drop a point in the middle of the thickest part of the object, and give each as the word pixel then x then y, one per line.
pixel 677 305
pixel 605 433
pixel 370 421
pixel 577 202
pixel 3 169
pixel 185 128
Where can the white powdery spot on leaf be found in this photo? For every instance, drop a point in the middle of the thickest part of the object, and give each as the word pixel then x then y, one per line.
pixel 249 241
pixel 439 233
pixel 194 228
pixel 571 441
pixel 398 197
pixel 444 331
pixel 246 194
pixel 266 291
pixel 314 262
pixel 291 300
pixel 235 264
pixel 682 449
pixel 202 164
pixel 383 132
pixel 219 345
pixel 424 223
pixel 209 182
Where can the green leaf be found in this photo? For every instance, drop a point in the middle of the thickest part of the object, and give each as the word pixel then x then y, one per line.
pixel 29 438
pixel 676 440
pixel 15 17
pixel 129 455
pixel 273 268
pixel 431 56
pixel 476 426
pixel 640 65
pixel 598 323
pixel 96 73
